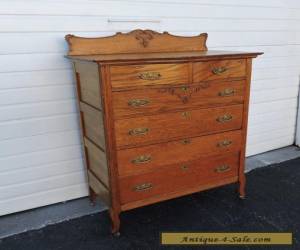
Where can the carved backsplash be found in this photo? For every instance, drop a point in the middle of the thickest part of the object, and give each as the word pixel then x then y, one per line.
pixel 136 41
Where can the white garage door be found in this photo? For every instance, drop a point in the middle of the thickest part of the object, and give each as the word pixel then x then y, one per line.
pixel 40 159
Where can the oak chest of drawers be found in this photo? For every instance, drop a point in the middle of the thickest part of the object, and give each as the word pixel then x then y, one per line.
pixel 161 116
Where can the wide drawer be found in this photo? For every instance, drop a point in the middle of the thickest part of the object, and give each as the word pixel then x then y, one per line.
pixel 178 177
pixel 148 74
pixel 152 100
pixel 148 158
pixel 214 70
pixel 163 127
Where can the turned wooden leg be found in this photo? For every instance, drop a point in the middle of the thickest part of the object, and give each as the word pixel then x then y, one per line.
pixel 242 186
pixel 92 196
pixel 115 222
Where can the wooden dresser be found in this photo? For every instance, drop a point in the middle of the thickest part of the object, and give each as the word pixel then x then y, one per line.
pixel 161 116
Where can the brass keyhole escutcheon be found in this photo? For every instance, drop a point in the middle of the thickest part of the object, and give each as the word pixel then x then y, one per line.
pixel 184 167
pixel 186 141
pixel 184 88
pixel 186 114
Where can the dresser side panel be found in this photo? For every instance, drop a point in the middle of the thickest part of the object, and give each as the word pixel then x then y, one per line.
pixel 99 188
pixel 89 83
pixel 92 129
pixel 93 124
pixel 97 161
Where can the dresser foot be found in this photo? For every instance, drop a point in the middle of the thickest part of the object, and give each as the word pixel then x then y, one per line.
pixel 116 234
pixel 115 222
pixel 242 187
pixel 92 196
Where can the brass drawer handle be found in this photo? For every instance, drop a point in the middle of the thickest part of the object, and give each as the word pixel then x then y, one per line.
pixel 227 92
pixel 142 159
pixel 186 141
pixel 185 114
pixel 222 169
pixel 224 143
pixel 138 131
pixel 143 187
pixel 219 70
pixel 224 118
pixel 138 102
pixel 150 76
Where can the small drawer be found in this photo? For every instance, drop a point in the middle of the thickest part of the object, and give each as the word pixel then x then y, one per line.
pixel 164 99
pixel 148 158
pixel 214 70
pixel 148 74
pixel 163 127
pixel 179 177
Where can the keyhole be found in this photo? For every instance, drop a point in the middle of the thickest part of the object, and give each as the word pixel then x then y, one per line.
pixel 184 88
pixel 184 167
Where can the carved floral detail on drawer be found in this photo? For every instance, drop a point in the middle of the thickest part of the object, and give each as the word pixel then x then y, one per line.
pixel 184 93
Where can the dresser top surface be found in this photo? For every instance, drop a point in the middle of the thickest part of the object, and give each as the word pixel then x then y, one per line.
pixel 187 55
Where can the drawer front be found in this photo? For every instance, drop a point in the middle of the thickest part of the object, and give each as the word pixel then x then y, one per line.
pixel 178 177
pixel 152 100
pixel 148 74
pixel 164 127
pixel 214 70
pixel 148 158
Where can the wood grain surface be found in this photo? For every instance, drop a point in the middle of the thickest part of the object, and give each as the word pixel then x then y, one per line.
pixel 163 127
pixel 221 69
pixel 187 149
pixel 160 116
pixel 88 77
pixel 132 75
pixel 93 124
pixel 180 97
pixel 178 177
pixel 136 41
pixel 97 161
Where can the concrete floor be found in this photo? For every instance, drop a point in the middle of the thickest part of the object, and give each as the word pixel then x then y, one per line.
pixel 41 217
